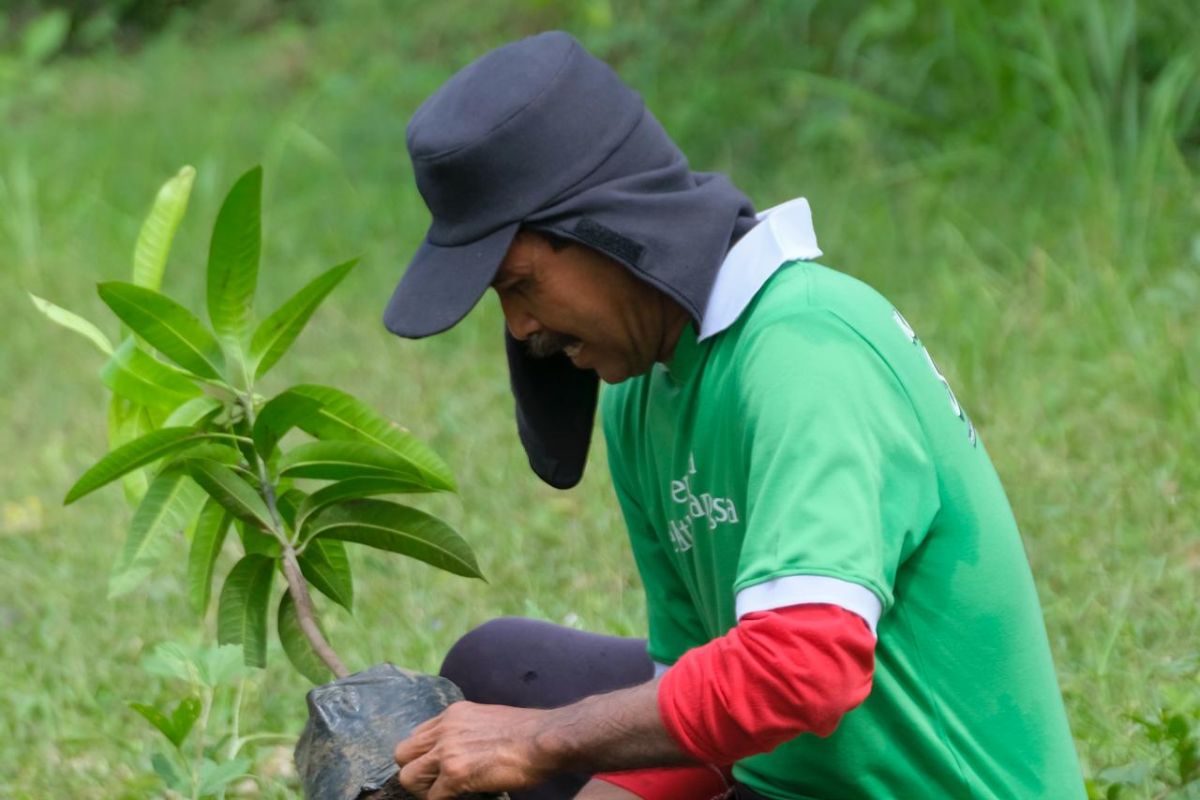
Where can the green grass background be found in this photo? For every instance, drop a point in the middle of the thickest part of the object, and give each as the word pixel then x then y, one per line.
pixel 1020 179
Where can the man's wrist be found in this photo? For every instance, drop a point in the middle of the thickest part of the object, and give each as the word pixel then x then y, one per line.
pixel 561 741
pixel 621 730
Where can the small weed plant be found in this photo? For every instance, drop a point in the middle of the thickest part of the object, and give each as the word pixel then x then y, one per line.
pixel 208 750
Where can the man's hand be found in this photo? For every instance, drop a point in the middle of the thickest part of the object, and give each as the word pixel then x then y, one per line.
pixel 473 748
pixel 477 748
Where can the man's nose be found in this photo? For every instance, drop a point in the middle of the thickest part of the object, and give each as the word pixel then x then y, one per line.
pixel 521 324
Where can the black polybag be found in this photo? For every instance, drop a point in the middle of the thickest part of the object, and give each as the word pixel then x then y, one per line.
pixel 354 724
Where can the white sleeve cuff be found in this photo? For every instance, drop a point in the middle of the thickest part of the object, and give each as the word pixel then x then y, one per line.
pixel 794 590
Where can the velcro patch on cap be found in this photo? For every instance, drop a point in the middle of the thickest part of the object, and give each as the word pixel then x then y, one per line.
pixel 609 241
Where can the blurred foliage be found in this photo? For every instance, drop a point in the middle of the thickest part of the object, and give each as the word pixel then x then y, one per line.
pixel 1113 88
pixel 41 29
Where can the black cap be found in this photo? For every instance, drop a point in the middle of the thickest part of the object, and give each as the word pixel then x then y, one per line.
pixel 507 135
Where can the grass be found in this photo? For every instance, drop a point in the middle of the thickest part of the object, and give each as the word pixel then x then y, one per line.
pixel 1021 188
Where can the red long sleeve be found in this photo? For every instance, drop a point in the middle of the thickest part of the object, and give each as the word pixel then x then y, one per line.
pixel 773 676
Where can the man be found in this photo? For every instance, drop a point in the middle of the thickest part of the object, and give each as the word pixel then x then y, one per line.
pixel 839 604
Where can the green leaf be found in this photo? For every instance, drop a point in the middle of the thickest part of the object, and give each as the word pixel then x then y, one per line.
pixel 296 645
pixel 184 717
pixel 158 719
pixel 338 460
pixel 166 326
pixel 245 443
pixel 398 529
pixel 73 322
pixel 242 609
pixel 158 229
pixel 278 416
pixel 208 536
pixel 287 503
pixel 326 566
pixel 128 421
pixel 341 416
pixel 276 333
pixel 257 542
pixel 170 503
pixel 224 486
pixel 352 489
pixel 139 452
pixel 178 725
pixel 172 660
pixel 170 773
pixel 213 776
pixel 194 411
pixel 233 258
pixel 223 665
pixel 217 450
pixel 136 375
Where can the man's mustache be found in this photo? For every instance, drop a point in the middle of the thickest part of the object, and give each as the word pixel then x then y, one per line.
pixel 547 343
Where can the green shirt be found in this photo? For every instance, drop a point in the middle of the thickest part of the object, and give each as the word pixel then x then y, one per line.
pixel 812 452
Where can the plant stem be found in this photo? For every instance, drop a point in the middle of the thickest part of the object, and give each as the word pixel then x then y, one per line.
pixel 297 585
pixel 235 722
pixel 263 737
pixel 206 704
pixel 307 616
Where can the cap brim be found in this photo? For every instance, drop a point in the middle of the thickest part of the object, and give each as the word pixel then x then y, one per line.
pixel 442 284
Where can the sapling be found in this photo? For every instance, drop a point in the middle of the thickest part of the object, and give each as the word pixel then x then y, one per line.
pixel 202 451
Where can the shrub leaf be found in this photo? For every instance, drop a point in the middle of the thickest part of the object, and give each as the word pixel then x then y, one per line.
pixel 242 609
pixel 296 645
pixel 353 489
pixel 342 416
pixel 233 258
pixel 398 529
pixel 338 460
pixel 276 333
pixel 166 326
pixel 158 229
pixel 73 322
pixel 170 503
pixel 326 566
pixel 224 486
pixel 194 411
pixel 278 416
pixel 136 375
pixel 128 457
pixel 208 536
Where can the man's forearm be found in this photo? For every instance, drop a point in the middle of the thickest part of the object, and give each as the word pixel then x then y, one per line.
pixel 483 748
pixel 620 730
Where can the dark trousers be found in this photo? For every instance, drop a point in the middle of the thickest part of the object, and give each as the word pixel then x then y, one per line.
pixel 533 664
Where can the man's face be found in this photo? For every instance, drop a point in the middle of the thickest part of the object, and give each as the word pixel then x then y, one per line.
pixel 581 302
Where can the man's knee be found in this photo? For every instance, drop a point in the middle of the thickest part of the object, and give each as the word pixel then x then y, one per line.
pixel 477 663
pixel 536 664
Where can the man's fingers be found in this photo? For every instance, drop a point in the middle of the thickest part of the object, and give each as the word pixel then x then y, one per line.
pixel 418 743
pixel 418 776
pixel 455 776
pixel 441 791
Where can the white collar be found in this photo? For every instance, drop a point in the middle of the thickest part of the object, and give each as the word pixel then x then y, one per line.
pixel 783 233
